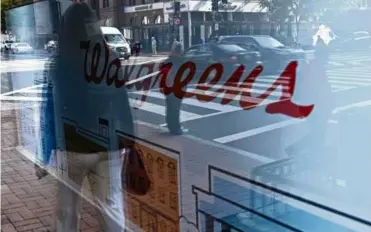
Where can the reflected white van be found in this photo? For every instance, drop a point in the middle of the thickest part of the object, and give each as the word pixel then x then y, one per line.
pixel 116 41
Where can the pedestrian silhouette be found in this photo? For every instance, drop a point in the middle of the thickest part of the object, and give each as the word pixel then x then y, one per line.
pixel 315 89
pixel 173 103
pixel 87 112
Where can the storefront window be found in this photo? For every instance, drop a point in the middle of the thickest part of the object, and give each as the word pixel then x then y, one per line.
pixel 133 122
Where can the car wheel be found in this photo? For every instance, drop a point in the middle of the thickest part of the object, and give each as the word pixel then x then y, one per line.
pixel 127 57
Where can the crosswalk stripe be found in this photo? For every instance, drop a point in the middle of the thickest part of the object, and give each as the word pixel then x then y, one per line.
pixel 248 133
pixel 350 82
pixel 251 90
pixel 193 102
pixel 43 90
pixel 351 79
pixel 161 110
pixel 337 88
pixel 340 88
pixel 229 96
pixel 334 79
pixel 21 98
pixel 331 75
pixel 335 63
pixel 349 75
pixel 23 89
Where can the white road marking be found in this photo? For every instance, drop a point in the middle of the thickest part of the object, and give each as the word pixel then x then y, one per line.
pixel 351 106
pixel 259 130
pixel 335 63
pixel 340 88
pixel 350 82
pixel 251 155
pixel 21 98
pixel 282 124
pixel 22 90
pixel 248 86
pixel 193 102
pixel 35 91
pixel 233 96
pixel 150 61
pixel 352 79
pixel 141 78
pixel 205 116
pixel 161 110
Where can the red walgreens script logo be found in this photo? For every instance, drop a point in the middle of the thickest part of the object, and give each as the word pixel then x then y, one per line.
pixel 113 74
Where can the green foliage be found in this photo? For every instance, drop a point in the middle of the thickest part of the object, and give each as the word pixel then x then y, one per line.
pixel 282 10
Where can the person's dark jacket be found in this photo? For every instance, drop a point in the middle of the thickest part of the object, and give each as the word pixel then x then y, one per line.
pixel 75 99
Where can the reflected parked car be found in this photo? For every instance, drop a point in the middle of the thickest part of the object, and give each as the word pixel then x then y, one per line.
pixel 231 56
pixel 274 55
pixel 5 45
pixel 16 48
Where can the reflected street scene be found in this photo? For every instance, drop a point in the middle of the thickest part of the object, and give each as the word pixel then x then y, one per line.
pixel 172 116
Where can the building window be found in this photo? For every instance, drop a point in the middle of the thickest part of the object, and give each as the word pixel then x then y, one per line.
pixel 105 3
pixel 158 19
pixel 131 2
pixel 145 20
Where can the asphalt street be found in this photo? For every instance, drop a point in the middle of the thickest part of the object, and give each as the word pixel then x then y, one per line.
pixel 253 130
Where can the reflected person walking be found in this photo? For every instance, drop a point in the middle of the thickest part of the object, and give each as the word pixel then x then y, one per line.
pixel 316 89
pixel 81 110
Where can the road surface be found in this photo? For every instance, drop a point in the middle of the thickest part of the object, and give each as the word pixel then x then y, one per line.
pixel 227 125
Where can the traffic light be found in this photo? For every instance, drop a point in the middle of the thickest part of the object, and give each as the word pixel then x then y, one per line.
pixel 214 5
pixel 176 7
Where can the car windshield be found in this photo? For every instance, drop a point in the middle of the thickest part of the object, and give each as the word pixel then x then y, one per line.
pixel 230 48
pixel 114 38
pixel 268 42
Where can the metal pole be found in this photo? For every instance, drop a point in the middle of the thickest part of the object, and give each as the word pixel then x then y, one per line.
pixel 214 22
pixel 176 15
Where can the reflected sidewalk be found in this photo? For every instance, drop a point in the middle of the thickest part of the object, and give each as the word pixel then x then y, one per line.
pixel 27 204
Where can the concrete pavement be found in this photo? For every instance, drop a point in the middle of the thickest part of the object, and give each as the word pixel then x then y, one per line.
pixel 28 204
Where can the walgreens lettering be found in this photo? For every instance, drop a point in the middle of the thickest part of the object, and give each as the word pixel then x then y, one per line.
pixel 113 74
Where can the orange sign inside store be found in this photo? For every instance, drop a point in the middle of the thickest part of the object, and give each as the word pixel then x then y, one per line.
pixel 154 206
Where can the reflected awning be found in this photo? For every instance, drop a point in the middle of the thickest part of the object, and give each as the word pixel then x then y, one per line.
pixel 235 6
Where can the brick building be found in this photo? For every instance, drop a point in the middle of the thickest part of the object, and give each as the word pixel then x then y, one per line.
pixel 140 19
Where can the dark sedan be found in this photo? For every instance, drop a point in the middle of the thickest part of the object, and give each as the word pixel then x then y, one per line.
pixel 231 56
pixel 275 56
